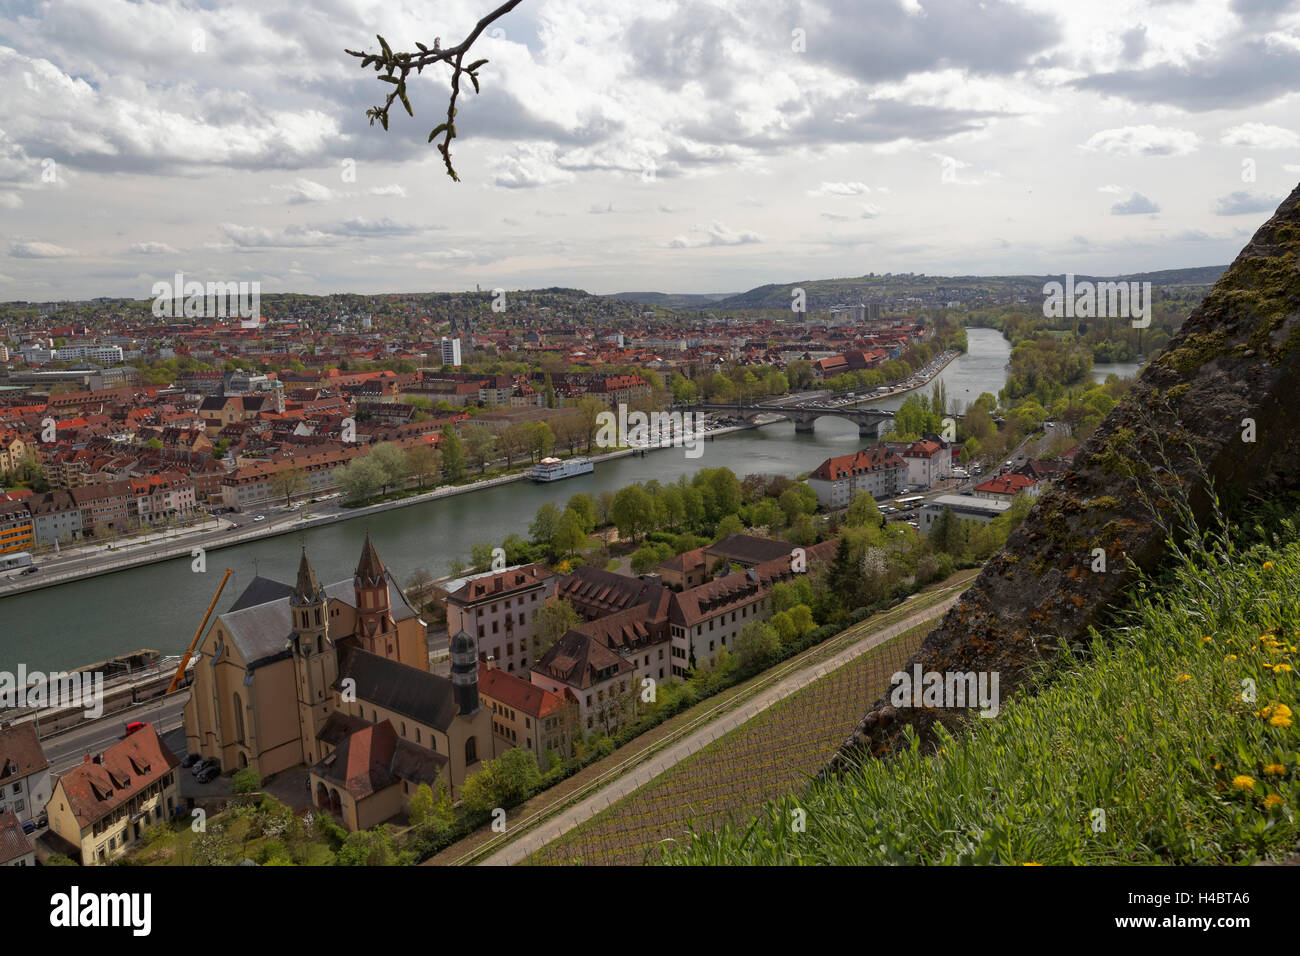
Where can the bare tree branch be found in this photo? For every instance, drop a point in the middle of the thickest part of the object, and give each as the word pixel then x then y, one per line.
pixel 396 67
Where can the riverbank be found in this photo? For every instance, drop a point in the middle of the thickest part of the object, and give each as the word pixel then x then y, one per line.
pixel 185 549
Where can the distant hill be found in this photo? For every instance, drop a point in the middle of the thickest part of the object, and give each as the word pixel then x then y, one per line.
pixel 672 300
pixel 824 293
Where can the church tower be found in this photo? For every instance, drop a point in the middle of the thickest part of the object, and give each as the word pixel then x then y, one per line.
pixel 464 672
pixel 315 660
pixel 376 632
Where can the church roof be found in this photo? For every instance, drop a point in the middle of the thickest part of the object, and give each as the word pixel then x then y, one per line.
pixel 424 697
pixel 260 621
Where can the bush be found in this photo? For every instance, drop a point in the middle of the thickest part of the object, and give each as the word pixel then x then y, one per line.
pixel 245 781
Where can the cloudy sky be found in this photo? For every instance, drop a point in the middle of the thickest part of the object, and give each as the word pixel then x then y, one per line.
pixel 617 145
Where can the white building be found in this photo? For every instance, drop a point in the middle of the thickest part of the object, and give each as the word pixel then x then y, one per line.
pixel 927 463
pixel 877 471
pixel 25 784
pixel 963 507
pixel 451 352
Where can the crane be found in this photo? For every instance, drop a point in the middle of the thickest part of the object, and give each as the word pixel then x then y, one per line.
pixel 180 671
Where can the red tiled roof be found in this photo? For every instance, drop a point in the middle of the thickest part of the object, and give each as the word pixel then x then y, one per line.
pixel 517 693
pixel 94 790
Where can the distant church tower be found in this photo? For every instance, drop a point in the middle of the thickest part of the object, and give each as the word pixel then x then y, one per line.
pixel 464 672
pixel 315 660
pixel 376 630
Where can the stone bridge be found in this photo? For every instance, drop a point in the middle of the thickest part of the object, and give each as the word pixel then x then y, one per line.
pixel 868 420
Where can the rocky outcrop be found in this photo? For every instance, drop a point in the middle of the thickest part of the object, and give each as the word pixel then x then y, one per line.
pixel 1221 401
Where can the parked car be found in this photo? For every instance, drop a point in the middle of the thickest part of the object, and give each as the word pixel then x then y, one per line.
pixel 29 826
pixel 207 763
pixel 260 518
pixel 43 820
pixel 189 760
pixel 208 774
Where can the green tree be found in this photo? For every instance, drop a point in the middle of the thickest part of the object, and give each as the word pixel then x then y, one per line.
pixel 453 454
pixel 392 465
pixel 480 445
pixel 423 463
pixel 756 644
pixel 288 482
pixel 569 534
pixel 554 620
pixel 632 511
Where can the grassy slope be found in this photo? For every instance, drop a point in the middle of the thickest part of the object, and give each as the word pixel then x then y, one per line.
pixel 1150 726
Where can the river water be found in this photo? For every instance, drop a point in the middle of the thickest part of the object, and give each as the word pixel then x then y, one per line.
pixel 160 605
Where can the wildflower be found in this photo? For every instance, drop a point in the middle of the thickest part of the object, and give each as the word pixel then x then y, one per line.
pixel 1281 667
pixel 1182 677
pixel 1242 782
pixel 1267 565
pixel 1277 720
pixel 1273 800
pixel 1031 864
pixel 1274 769
pixel 1231 657
pixel 1282 709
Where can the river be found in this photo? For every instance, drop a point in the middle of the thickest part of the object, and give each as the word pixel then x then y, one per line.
pixel 160 605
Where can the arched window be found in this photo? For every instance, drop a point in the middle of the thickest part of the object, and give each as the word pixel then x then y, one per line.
pixel 471 751
pixel 239 719
pixel 318 621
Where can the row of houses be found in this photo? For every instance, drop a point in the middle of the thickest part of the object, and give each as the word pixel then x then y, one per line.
pixel 63 516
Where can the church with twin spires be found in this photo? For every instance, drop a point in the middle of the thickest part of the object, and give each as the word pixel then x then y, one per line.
pixel 336 677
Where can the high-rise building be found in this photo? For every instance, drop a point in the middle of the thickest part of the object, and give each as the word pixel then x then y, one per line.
pixel 451 352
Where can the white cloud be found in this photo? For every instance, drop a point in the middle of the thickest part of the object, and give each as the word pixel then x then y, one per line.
pixel 714 234
pixel 303 190
pixel 840 189
pixel 1135 205
pixel 152 249
pixel 1143 141
pixel 1260 136
pixel 39 250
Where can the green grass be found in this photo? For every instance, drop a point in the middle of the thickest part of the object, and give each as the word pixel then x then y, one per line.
pixel 1147 746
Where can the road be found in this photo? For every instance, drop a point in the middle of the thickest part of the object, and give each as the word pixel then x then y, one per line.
pixel 67 749
pixel 579 813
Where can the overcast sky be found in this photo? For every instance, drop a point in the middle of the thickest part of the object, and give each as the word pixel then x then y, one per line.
pixel 630 145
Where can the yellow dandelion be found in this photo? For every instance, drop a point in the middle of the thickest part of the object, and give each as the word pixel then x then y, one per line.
pixel 1031 864
pixel 1273 800
pixel 1267 565
pixel 1182 677
pixel 1231 657
pixel 1242 782
pixel 1274 769
pixel 1277 720
pixel 1266 712
pixel 1281 667
pixel 1206 639
pixel 1282 709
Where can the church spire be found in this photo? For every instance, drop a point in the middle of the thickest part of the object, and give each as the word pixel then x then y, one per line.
pixel 308 589
pixel 370 569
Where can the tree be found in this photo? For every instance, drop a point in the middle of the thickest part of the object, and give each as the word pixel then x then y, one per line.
pixel 453 454
pixel 391 462
pixel 645 560
pixel 361 478
pixel 288 482
pixel 397 68
pixel 420 805
pixel 513 442
pixel 545 526
pixel 756 644
pixel 502 782
pixel 863 511
pixel 480 445
pixel 423 462
pixel 589 410
pixel 730 524
pixel 632 511
pixel 584 506
pixel 541 440
pixel 569 534
pixel 554 620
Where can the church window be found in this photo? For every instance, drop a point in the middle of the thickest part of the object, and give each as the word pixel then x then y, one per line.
pixel 471 750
